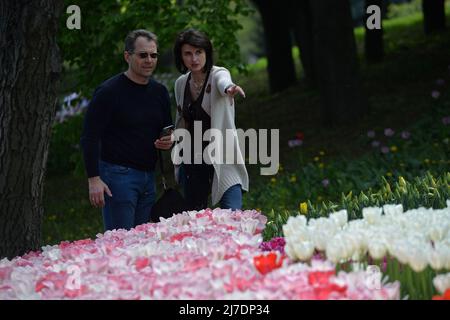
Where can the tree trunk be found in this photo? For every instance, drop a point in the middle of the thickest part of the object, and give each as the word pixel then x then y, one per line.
pixel 433 15
pixel 280 64
pixel 30 66
pixel 301 20
pixel 336 62
pixel 373 40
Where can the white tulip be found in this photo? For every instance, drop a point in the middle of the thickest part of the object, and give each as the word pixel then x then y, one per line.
pixel 399 251
pixel 298 221
pixel 443 250
pixel 320 239
pixel 437 232
pixel 372 214
pixel 377 249
pixel 317 223
pixel 302 234
pixel 292 224
pixel 393 209
pixel 417 259
pixel 395 232
pixel 351 246
pixel 335 251
pixel 435 260
pixel 304 250
pixel 340 217
pixel 288 249
pixel 357 225
pixel 288 230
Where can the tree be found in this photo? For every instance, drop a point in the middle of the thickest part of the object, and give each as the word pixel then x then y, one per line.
pixel 30 68
pixel 433 15
pixel 277 34
pixel 95 52
pixel 301 19
pixel 336 62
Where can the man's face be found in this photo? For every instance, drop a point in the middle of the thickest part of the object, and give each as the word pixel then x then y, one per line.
pixel 139 65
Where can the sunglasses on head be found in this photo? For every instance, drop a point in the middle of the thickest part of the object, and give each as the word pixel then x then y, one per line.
pixel 144 55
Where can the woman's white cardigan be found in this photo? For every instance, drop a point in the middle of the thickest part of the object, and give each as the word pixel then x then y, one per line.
pixel 221 109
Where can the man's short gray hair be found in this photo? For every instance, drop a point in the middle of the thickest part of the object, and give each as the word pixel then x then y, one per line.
pixel 133 35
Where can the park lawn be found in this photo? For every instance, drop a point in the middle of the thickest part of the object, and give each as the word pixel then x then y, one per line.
pixel 398 91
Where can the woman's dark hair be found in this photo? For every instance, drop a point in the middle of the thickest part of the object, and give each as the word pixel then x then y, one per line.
pixel 196 39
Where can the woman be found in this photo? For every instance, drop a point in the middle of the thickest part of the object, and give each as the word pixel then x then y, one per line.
pixel 205 93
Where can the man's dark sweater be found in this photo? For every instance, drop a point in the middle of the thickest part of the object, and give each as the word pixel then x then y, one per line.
pixel 122 122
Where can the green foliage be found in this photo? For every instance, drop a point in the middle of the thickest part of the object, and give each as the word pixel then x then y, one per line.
pixel 64 155
pixel 322 178
pixel 409 9
pixel 95 52
pixel 413 285
pixel 251 36
pixel 397 10
pixel 68 215
pixel 426 191
pixel 414 173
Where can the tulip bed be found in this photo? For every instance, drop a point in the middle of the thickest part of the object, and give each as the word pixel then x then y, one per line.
pixel 412 246
pixel 210 254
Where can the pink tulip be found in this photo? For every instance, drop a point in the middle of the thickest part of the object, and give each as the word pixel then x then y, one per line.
pixel 213 254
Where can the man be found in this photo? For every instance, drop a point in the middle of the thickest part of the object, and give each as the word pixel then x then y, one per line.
pixel 121 132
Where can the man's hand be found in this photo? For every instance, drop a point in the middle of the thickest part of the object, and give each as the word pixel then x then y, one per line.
pixel 164 143
pixel 97 189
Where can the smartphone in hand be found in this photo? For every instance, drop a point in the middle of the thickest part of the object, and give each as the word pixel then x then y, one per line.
pixel 166 131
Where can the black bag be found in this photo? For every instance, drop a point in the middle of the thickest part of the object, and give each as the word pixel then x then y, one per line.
pixel 171 202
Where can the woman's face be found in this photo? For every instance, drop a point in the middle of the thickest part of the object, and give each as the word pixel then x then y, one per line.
pixel 194 58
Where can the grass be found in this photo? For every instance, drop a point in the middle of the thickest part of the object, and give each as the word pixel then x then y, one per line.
pixel 399 94
pixel 68 213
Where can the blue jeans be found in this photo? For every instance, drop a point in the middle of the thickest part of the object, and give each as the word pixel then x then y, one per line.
pixel 133 196
pixel 231 199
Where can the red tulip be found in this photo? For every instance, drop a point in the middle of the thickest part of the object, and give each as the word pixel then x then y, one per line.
pixel 320 278
pixel 267 262
pixel 445 296
pixel 180 236
pixel 141 263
